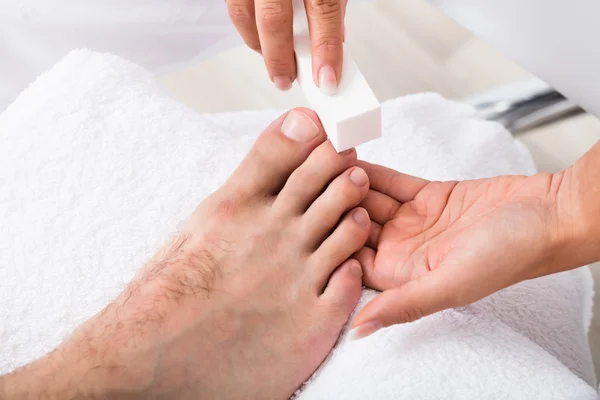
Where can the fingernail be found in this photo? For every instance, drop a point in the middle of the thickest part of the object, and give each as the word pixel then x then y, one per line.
pixel 298 126
pixel 361 216
pixel 283 83
pixel 327 80
pixel 358 177
pixel 364 330
pixel 355 269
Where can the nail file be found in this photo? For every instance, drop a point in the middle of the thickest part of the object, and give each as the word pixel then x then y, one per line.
pixel 351 116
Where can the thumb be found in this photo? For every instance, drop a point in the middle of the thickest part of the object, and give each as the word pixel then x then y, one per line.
pixel 433 292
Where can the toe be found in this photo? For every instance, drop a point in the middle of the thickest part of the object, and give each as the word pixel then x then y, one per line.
pixel 343 194
pixel 343 291
pixel 278 151
pixel 310 179
pixel 347 238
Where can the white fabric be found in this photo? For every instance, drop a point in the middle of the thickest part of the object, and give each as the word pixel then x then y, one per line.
pixel 35 34
pixel 98 166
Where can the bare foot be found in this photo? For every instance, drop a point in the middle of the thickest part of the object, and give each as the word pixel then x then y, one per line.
pixel 251 298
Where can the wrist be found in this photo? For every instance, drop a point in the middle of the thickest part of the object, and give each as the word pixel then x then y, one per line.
pixel 576 205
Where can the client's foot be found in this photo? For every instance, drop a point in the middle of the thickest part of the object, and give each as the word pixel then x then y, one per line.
pixel 251 298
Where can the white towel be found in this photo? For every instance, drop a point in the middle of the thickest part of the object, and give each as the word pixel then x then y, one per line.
pixel 98 165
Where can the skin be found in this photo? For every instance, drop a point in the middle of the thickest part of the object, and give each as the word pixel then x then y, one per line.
pixel 259 285
pixel 439 245
pixel 266 26
pixel 256 288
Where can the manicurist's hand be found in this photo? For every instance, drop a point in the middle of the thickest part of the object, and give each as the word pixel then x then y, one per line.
pixel 267 26
pixel 438 245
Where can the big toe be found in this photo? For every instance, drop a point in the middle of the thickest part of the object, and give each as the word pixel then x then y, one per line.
pixel 281 148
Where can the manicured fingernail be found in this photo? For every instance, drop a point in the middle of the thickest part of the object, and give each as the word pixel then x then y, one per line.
pixel 283 83
pixel 355 269
pixel 364 330
pixel 298 126
pixel 358 177
pixel 361 216
pixel 327 80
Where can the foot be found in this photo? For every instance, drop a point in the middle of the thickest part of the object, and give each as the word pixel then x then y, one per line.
pixel 250 299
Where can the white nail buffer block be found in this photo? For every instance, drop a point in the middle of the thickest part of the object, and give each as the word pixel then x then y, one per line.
pixel 353 115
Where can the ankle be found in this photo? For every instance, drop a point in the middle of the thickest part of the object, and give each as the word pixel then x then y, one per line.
pixel 44 378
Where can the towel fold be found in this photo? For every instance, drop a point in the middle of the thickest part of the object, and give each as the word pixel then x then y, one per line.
pixel 98 165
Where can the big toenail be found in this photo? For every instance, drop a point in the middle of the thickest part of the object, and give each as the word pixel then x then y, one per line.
pixel 361 216
pixel 358 177
pixel 298 126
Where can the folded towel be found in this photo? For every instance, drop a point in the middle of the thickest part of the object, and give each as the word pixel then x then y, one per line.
pixel 98 166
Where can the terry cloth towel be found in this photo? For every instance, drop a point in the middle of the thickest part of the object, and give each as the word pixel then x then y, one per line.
pixel 98 165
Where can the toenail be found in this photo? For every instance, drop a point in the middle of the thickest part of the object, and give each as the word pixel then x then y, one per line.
pixel 361 216
pixel 356 269
pixel 298 126
pixel 365 329
pixel 358 177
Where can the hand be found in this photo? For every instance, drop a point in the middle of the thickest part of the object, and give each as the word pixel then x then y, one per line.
pixel 438 245
pixel 267 27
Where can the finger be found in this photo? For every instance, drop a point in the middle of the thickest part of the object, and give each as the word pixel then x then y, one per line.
pixel 344 4
pixel 381 207
pixel 241 13
pixel 326 26
pixel 399 186
pixel 410 302
pixel 374 233
pixel 366 258
pixel 275 30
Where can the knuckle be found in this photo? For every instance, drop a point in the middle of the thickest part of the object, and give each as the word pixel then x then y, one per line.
pixel 326 9
pixel 393 210
pixel 226 209
pixel 273 16
pixel 411 315
pixel 278 66
pixel 328 44
pixel 241 13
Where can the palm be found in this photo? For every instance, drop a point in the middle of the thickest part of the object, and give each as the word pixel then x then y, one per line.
pixel 422 226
